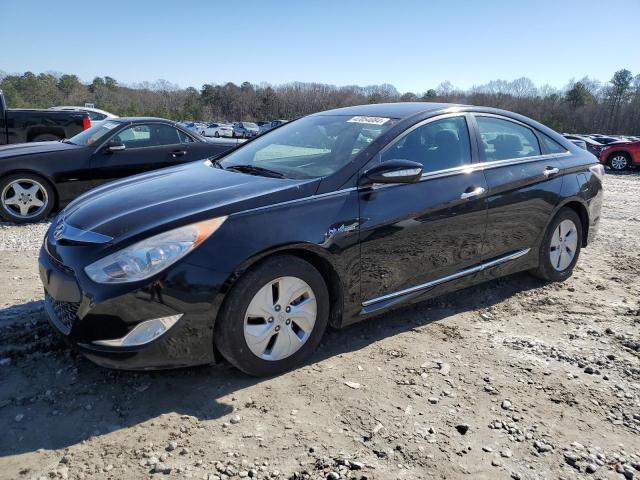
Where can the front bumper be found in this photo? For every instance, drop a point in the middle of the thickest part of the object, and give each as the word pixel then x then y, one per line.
pixel 83 312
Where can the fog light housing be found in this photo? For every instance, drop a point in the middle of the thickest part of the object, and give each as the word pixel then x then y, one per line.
pixel 142 333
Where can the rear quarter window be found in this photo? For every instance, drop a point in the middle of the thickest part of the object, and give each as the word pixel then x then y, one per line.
pixel 550 145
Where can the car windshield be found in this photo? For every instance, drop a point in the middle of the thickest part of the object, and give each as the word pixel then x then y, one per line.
pixel 250 125
pixel 314 146
pixel 94 135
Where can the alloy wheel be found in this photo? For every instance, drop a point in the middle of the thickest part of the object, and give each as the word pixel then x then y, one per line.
pixel 619 162
pixel 280 318
pixel 564 244
pixel 24 198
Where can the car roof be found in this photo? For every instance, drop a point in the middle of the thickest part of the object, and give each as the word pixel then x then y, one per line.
pixel 390 110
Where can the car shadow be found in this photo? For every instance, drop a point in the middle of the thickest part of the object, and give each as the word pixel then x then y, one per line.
pixel 51 398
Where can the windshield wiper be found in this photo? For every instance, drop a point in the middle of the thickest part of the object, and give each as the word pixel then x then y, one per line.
pixel 66 140
pixel 254 170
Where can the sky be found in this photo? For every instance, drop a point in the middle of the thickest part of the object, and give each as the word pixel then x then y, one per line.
pixel 413 45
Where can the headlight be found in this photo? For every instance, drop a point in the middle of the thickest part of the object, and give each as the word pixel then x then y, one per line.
pixel 148 257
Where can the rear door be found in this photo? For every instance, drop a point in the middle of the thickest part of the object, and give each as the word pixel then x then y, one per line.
pixel 414 234
pixel 523 173
pixel 147 147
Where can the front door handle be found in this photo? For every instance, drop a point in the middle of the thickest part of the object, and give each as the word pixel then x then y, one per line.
pixel 179 153
pixel 472 193
pixel 550 171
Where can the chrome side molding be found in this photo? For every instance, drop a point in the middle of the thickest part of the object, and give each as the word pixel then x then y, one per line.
pixel 462 273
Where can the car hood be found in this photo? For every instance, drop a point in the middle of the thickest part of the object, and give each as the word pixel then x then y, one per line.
pixel 19 149
pixel 176 196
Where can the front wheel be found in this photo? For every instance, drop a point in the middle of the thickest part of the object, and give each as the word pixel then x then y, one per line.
pixel 25 198
pixel 274 317
pixel 217 135
pixel 560 247
pixel 619 162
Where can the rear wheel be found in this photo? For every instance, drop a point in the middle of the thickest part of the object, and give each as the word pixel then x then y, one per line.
pixel 25 198
pixel 619 162
pixel 274 317
pixel 560 247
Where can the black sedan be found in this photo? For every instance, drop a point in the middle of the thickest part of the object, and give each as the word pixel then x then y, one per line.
pixel 328 219
pixel 36 178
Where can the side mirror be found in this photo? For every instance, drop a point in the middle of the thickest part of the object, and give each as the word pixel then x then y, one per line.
pixel 115 147
pixel 393 171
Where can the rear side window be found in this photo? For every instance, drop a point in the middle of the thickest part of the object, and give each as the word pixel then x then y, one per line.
pixel 142 136
pixel 503 140
pixel 551 146
pixel 438 145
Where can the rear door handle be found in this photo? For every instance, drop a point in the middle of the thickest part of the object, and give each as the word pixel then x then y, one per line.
pixel 550 171
pixel 473 193
pixel 179 153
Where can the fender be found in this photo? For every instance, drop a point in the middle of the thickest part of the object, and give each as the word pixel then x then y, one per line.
pixel 308 251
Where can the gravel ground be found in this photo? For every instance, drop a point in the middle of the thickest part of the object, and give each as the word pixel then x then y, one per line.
pixel 510 379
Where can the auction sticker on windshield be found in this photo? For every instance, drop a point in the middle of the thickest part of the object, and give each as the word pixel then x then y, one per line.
pixel 369 120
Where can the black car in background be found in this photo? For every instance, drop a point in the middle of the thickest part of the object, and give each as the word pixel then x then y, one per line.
pixel 592 146
pixel 328 219
pixel 19 125
pixel 606 140
pixel 36 178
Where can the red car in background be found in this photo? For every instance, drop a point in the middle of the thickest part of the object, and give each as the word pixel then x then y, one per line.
pixel 621 156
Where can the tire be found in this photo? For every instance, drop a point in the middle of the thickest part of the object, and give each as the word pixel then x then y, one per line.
pixel 217 135
pixel 235 325
pixel 25 198
pixel 233 135
pixel 46 137
pixel 619 162
pixel 554 267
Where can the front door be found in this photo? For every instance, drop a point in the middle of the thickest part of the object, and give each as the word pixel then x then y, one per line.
pixel 147 147
pixel 418 233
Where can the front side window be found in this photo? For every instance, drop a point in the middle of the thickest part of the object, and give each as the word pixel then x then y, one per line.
pixel 142 136
pixel 314 146
pixel 504 140
pixel 438 145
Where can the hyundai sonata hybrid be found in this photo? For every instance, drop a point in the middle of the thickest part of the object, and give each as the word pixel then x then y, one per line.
pixel 327 220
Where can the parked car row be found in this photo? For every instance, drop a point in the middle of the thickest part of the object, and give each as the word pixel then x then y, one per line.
pixel 618 152
pixel 233 130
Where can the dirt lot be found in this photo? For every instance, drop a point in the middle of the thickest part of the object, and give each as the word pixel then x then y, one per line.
pixel 511 379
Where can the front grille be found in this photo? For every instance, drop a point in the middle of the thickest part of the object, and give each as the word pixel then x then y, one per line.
pixel 62 314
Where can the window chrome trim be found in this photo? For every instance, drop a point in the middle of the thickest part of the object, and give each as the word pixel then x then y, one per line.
pixel 476 167
pixel 448 278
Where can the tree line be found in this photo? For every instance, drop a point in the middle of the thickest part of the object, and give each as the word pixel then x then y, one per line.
pixel 584 105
